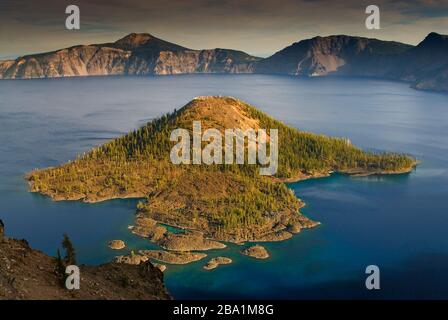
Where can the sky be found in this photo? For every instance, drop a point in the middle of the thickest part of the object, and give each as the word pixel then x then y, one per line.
pixel 259 27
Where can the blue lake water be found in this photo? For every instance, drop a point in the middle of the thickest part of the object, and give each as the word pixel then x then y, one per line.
pixel 399 223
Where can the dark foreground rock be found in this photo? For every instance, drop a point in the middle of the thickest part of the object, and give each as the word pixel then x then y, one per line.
pixel 29 274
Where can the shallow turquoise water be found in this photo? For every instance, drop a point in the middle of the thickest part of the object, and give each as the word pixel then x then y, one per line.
pixel 398 223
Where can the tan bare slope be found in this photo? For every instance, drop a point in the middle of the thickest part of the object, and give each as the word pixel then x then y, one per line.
pixel 26 274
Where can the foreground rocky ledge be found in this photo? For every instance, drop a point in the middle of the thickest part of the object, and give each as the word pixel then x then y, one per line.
pixel 26 273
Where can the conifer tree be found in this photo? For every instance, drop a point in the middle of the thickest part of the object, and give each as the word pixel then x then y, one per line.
pixel 70 255
pixel 59 268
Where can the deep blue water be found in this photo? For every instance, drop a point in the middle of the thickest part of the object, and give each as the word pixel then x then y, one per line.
pixel 399 223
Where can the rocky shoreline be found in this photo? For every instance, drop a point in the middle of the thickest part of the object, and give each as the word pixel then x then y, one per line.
pixel 178 247
pixel 359 172
pixel 172 257
pixel 95 198
pixel 363 173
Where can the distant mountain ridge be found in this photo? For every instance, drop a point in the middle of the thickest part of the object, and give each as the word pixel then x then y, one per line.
pixel 135 54
pixel 425 66
pixel 321 56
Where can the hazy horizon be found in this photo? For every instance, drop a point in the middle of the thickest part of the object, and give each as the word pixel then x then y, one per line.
pixel 259 28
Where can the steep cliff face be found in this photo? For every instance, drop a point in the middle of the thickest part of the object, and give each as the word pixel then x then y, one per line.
pixel 135 54
pixel 203 61
pixel 75 61
pixel 4 65
pixel 342 55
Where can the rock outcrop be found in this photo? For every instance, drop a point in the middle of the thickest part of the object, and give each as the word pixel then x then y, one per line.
pixel 257 252
pixel 160 266
pixel 172 257
pixel 182 241
pixel 215 262
pixel 134 259
pixel 117 244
